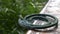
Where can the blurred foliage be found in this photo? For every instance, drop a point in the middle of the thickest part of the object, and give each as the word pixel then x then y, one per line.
pixel 10 10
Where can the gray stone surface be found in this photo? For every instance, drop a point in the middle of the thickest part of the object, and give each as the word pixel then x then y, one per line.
pixel 52 9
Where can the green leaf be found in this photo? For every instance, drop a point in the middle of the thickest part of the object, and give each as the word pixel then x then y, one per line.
pixel 10 11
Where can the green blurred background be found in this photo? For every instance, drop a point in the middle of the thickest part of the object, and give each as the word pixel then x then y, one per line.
pixel 12 10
